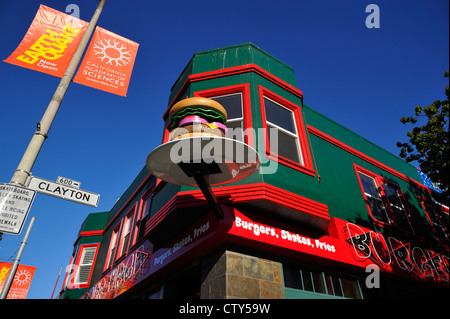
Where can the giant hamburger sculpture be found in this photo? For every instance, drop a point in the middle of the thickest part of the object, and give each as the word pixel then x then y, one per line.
pixel 199 149
pixel 197 116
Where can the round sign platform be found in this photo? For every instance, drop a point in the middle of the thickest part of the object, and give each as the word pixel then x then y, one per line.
pixel 220 160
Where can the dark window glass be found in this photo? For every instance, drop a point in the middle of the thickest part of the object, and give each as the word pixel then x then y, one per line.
pixel 398 210
pixel 232 104
pixel 350 288
pixel 439 222
pixel 287 146
pixel 279 116
pixel 373 198
pixel 292 278
pixel 318 283
pixel 336 286
pixel 235 130
pixel 235 119
pixel 307 281
pixel 329 285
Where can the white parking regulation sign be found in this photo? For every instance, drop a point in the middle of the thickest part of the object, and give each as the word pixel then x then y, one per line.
pixel 15 203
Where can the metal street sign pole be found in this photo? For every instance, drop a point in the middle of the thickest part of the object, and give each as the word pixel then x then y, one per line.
pixel 26 164
pixel 12 272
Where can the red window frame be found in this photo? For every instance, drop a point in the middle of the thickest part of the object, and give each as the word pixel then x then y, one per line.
pixel 139 220
pixel 117 232
pixel 244 89
pixel 307 166
pixel 68 274
pixel 130 215
pixel 166 134
pixel 72 283
pixel 444 226
pixel 379 181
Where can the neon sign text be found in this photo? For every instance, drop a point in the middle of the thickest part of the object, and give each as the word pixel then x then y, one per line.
pixel 122 277
pixel 393 253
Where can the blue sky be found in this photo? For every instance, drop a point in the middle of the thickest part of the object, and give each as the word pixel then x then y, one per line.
pixel 364 79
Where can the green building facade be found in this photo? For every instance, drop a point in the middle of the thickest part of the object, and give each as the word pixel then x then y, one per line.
pixel 325 206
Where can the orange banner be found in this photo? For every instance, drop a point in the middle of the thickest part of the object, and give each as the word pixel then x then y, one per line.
pixel 108 62
pixel 22 280
pixel 49 43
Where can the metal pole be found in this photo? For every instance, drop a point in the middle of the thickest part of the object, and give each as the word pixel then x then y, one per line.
pixel 29 157
pixel 12 272
pixel 209 195
pixel 56 284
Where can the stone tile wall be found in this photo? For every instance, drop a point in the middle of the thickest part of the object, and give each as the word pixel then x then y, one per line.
pixel 235 275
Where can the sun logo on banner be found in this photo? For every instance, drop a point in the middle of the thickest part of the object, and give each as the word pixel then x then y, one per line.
pixel 22 277
pixel 116 52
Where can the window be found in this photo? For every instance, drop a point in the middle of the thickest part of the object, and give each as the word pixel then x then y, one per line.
pixel 235 117
pixel 292 277
pixel 285 118
pixel 80 272
pixel 126 232
pixel 146 204
pixel 350 288
pixel 85 265
pixel 397 210
pixel 384 200
pixel 439 220
pixel 113 247
pixel 69 272
pixel 320 282
pixel 236 101
pixel 282 119
pixel 373 198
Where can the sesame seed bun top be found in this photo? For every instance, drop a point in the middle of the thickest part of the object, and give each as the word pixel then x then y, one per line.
pixel 197 102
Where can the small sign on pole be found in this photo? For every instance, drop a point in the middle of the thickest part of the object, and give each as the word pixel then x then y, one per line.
pixel 15 203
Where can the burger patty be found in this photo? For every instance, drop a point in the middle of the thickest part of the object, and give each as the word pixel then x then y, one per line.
pixel 207 114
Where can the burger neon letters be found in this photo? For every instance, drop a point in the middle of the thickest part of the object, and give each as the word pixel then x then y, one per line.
pixel 393 252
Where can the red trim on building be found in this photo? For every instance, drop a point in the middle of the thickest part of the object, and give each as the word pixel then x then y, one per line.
pixel 363 156
pixel 88 233
pixel 244 89
pixel 232 71
pixel 379 180
pixel 241 194
pixel 130 199
pixel 72 284
pixel 91 233
pixel 307 166
pixel 112 255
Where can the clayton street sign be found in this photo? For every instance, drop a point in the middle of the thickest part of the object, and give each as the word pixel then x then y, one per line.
pixel 59 190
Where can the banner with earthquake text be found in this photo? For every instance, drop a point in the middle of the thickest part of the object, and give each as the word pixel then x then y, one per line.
pixel 21 282
pixel 108 62
pixel 50 42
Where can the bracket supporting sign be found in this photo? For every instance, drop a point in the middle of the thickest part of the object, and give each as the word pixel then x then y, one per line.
pixel 59 190
pixel 15 203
